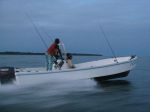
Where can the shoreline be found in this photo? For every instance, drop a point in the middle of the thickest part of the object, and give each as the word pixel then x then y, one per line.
pixel 20 53
pixel 32 53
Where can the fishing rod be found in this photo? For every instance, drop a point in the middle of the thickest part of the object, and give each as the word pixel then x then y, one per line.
pixel 37 31
pixel 63 46
pixel 105 37
pixel 43 29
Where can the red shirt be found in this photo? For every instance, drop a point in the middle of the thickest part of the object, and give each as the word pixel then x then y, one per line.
pixel 53 49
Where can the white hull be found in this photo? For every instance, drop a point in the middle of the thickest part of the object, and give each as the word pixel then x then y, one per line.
pixel 100 68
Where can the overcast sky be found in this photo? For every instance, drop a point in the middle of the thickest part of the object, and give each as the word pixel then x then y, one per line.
pixel 76 22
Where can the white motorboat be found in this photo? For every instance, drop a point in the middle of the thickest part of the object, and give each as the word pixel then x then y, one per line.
pixel 103 69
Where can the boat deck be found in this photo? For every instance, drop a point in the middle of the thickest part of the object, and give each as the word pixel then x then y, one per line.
pixel 98 63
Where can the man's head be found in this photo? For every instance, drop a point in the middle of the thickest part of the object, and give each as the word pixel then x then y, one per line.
pixel 57 41
pixel 69 56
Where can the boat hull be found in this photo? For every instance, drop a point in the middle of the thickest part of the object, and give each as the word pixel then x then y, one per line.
pixel 113 76
pixel 112 71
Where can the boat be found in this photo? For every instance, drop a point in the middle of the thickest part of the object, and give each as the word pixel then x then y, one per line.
pixel 103 69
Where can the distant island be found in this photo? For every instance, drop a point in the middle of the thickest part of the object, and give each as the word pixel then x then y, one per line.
pixel 20 53
pixel 32 53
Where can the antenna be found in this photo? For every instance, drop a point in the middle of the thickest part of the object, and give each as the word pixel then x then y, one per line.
pixel 37 31
pixel 105 37
pixel 44 30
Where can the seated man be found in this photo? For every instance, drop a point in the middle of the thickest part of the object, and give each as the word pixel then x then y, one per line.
pixel 69 61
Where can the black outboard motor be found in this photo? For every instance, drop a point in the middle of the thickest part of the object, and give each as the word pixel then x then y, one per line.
pixel 7 75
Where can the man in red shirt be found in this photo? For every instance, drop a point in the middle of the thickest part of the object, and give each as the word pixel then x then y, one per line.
pixel 54 53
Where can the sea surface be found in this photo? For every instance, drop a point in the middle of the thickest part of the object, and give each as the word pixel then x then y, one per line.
pixel 129 94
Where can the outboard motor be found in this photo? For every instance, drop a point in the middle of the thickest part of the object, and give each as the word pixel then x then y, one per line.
pixel 7 75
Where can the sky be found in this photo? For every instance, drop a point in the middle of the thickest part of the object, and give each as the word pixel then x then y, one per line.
pixel 126 24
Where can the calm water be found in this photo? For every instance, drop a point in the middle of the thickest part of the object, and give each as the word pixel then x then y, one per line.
pixel 128 94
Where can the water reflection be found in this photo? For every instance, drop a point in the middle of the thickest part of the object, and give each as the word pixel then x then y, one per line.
pixel 8 80
pixel 117 85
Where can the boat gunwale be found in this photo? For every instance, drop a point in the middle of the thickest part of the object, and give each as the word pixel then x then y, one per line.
pixel 74 70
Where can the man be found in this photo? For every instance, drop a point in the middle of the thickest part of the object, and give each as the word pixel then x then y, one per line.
pixel 54 53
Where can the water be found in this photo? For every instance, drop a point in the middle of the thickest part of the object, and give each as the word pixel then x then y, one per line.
pixel 122 95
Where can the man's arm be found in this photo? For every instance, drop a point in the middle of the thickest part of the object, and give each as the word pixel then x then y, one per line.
pixel 59 51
